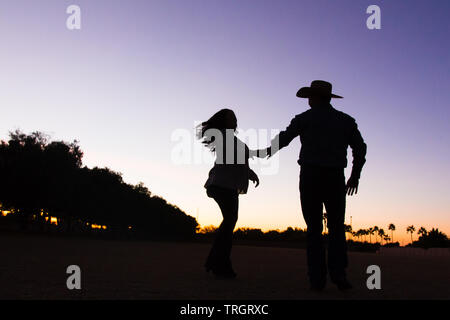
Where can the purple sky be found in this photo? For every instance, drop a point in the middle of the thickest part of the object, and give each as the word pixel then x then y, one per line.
pixel 138 70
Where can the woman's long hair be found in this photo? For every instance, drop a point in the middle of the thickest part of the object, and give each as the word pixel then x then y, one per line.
pixel 219 121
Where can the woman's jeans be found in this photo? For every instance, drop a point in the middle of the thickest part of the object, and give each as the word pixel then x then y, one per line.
pixel 228 201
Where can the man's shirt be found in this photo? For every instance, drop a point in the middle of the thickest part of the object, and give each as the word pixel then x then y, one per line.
pixel 325 134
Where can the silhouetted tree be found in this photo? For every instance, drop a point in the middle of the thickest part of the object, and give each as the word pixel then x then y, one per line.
pixel 39 175
pixel 371 231
pixel 392 229
pixel 348 229
pixel 432 239
pixel 375 231
pixel 381 234
pixel 411 229
pixel 422 231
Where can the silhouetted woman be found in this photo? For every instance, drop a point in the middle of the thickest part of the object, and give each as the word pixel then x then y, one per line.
pixel 227 179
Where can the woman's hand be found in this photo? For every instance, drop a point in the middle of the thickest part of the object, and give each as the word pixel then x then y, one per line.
pixel 253 177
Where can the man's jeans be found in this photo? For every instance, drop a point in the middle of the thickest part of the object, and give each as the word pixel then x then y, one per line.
pixel 324 186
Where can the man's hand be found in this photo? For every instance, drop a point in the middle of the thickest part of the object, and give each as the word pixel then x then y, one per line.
pixel 352 186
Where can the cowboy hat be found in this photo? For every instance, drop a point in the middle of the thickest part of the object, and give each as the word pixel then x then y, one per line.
pixel 317 88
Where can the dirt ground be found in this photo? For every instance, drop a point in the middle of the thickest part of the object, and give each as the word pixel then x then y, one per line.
pixel 34 267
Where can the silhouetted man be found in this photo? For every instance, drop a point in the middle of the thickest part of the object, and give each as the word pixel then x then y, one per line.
pixel 325 134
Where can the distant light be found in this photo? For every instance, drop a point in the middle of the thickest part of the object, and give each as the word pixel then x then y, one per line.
pixel 98 226
pixel 5 213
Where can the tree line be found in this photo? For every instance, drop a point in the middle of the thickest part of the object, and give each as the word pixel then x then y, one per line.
pixel 427 239
pixel 360 240
pixel 40 178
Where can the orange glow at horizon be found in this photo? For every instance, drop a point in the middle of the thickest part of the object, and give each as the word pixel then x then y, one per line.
pixel 399 235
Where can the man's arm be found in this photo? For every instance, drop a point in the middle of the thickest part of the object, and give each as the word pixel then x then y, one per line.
pixel 359 151
pixel 282 139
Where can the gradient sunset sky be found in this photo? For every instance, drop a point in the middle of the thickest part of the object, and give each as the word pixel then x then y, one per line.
pixel 139 70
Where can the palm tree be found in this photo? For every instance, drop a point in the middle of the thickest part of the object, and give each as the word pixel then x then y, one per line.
pixel 381 234
pixel 422 231
pixel 386 238
pixel 411 229
pixel 375 229
pixel 392 228
pixel 348 229
pixel 360 233
pixel 371 231
pixel 366 233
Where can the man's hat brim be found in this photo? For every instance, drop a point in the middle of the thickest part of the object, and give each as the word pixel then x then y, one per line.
pixel 307 92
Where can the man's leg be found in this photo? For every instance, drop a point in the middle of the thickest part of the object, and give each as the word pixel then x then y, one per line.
pixel 312 208
pixel 335 206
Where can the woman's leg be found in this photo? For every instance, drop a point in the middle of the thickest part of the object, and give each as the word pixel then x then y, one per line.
pixel 219 256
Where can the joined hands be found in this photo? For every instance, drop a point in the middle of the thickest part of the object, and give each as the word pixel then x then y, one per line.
pixel 261 153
